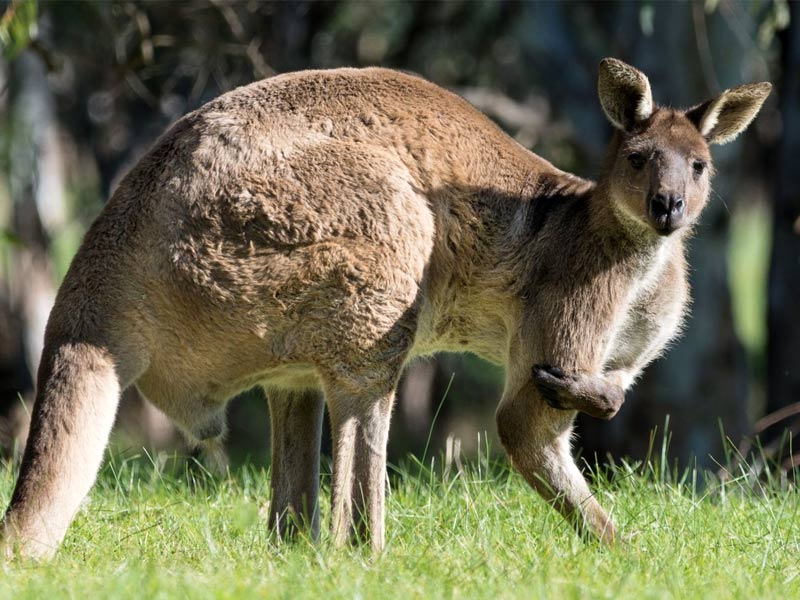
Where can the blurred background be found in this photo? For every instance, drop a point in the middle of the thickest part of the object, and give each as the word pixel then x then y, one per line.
pixel 86 87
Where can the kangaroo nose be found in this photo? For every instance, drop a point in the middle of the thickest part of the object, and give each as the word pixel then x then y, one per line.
pixel 666 210
pixel 671 205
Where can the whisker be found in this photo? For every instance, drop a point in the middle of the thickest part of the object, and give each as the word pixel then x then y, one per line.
pixel 725 204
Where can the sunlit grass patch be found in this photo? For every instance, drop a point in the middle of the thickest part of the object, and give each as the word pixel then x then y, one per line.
pixel 167 529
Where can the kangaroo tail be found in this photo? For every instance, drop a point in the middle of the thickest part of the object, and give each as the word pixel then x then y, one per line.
pixel 76 403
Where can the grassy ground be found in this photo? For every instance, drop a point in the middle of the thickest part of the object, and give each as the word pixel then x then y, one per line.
pixel 483 533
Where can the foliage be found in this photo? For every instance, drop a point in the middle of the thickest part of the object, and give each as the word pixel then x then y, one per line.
pixel 18 26
pixel 748 258
pixel 482 533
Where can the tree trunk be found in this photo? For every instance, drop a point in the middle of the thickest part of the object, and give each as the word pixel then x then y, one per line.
pixel 783 328
pixel 36 183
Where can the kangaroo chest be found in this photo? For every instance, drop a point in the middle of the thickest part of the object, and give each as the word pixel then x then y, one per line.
pixel 629 339
pixel 649 318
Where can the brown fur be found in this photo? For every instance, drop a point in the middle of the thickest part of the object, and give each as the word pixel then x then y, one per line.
pixel 314 232
pixel 595 396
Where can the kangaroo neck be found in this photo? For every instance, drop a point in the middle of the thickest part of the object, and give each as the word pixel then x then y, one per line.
pixel 619 236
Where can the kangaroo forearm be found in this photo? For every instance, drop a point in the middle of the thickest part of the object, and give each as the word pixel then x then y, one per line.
pixel 574 324
pixel 595 395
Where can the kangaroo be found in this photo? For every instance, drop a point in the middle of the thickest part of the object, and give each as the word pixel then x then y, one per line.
pixel 313 232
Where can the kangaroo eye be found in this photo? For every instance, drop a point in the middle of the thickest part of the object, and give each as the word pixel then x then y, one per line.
pixel 698 167
pixel 637 160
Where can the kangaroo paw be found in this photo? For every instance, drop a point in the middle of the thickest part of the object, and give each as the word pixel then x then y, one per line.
pixel 591 394
pixel 551 383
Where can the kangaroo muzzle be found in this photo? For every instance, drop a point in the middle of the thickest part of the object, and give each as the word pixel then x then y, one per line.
pixel 666 211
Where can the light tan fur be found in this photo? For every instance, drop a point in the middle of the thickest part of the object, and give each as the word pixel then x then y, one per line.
pixel 625 94
pixel 314 232
pixel 722 119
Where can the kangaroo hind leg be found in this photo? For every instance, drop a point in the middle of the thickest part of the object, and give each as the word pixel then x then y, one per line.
pixel 360 427
pixel 296 432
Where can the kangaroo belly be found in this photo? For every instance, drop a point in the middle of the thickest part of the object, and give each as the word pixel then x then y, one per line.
pixel 197 404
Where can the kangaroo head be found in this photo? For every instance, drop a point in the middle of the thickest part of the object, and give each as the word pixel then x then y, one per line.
pixel 659 169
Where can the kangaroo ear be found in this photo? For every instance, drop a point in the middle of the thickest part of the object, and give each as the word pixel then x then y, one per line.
pixel 720 120
pixel 624 93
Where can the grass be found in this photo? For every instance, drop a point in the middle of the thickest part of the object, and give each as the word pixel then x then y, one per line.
pixel 481 533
